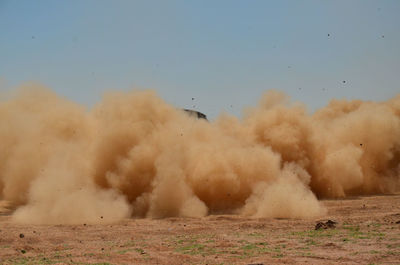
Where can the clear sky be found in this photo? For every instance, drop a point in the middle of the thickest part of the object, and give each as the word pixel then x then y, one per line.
pixel 222 53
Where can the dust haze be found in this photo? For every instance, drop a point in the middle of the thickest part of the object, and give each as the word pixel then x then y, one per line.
pixel 134 155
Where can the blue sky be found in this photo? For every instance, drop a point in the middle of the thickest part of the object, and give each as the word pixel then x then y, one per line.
pixel 224 54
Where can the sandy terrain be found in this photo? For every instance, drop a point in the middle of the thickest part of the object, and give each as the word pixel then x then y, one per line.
pixel 367 232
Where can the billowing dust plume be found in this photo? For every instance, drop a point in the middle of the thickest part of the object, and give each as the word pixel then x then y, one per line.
pixel 133 155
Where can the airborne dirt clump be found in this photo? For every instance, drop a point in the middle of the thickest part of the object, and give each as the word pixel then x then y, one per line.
pixel 135 155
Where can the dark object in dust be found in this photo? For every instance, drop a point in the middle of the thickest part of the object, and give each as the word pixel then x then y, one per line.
pixel 21 236
pixel 196 114
pixel 344 81
pixel 101 217
pixel 360 144
pixel 23 251
pixel 326 225
pixel 84 224
pixel 255 264
pixel 398 222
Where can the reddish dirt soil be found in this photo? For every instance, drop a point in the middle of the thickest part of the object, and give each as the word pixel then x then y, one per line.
pixel 367 232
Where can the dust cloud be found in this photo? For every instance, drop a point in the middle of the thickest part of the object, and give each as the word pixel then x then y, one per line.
pixel 133 155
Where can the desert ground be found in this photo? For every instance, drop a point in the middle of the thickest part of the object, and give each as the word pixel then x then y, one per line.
pixel 367 231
